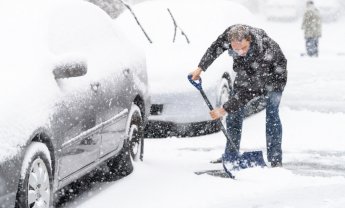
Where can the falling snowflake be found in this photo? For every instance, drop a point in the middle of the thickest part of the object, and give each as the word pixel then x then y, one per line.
pixel 268 56
pixel 280 70
pixel 255 65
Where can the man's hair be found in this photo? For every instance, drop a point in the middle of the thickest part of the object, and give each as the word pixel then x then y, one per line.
pixel 310 3
pixel 239 33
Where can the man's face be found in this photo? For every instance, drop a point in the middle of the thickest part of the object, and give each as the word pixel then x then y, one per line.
pixel 241 47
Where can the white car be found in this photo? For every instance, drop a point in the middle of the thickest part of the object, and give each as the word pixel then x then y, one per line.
pixel 177 107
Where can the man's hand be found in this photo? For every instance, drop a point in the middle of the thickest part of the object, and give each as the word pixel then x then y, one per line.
pixel 217 113
pixel 196 74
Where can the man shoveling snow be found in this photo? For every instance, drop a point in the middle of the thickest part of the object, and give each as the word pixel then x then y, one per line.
pixel 260 67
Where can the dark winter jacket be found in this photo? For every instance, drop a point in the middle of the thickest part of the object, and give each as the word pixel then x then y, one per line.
pixel 263 69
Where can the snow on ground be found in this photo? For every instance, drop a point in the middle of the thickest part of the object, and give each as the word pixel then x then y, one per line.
pixel 313 117
pixel 313 173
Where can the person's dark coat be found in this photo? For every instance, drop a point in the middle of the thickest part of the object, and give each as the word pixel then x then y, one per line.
pixel 263 69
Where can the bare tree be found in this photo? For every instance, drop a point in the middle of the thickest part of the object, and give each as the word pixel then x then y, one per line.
pixel 177 27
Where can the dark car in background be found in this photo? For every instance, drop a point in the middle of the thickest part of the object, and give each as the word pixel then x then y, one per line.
pixel 74 96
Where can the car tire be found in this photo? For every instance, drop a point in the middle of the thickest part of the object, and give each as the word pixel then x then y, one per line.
pixel 136 134
pixel 121 165
pixel 35 183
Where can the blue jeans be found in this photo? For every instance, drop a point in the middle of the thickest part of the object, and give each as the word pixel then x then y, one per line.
pixel 234 123
pixel 312 45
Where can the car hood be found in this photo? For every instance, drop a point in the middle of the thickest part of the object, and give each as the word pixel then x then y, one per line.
pixel 169 65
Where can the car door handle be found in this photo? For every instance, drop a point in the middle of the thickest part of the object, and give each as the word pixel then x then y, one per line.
pixel 95 86
pixel 126 72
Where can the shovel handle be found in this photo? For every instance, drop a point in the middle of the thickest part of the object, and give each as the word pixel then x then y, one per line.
pixel 199 87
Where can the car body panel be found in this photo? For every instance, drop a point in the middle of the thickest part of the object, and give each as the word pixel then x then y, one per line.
pixel 181 101
pixel 9 181
pixel 73 117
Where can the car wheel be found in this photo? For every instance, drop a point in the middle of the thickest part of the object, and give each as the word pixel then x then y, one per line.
pixel 121 165
pixel 35 184
pixel 133 147
pixel 136 134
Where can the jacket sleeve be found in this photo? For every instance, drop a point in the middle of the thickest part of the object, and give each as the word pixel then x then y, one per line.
pixel 215 50
pixel 278 77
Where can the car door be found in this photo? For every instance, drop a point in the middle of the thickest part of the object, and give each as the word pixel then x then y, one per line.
pixel 116 86
pixel 77 123
pixel 74 35
pixel 89 34
pixel 117 99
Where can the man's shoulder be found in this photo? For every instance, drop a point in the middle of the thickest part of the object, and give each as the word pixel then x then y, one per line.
pixel 261 39
pixel 258 31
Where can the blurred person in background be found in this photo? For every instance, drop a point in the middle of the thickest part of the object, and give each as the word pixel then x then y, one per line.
pixel 312 29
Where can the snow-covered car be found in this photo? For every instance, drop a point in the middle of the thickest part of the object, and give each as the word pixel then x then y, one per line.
pixel 180 32
pixel 282 10
pixel 74 96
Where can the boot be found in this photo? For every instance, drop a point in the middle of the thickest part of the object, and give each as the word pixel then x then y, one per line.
pixel 219 160
pixel 276 164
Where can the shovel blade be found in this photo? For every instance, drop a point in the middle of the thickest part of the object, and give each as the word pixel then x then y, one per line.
pixel 252 159
pixel 235 161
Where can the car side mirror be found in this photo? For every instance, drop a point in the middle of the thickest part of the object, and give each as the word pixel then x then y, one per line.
pixel 70 69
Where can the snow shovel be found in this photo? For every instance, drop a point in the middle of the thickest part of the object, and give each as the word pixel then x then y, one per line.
pixel 234 160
